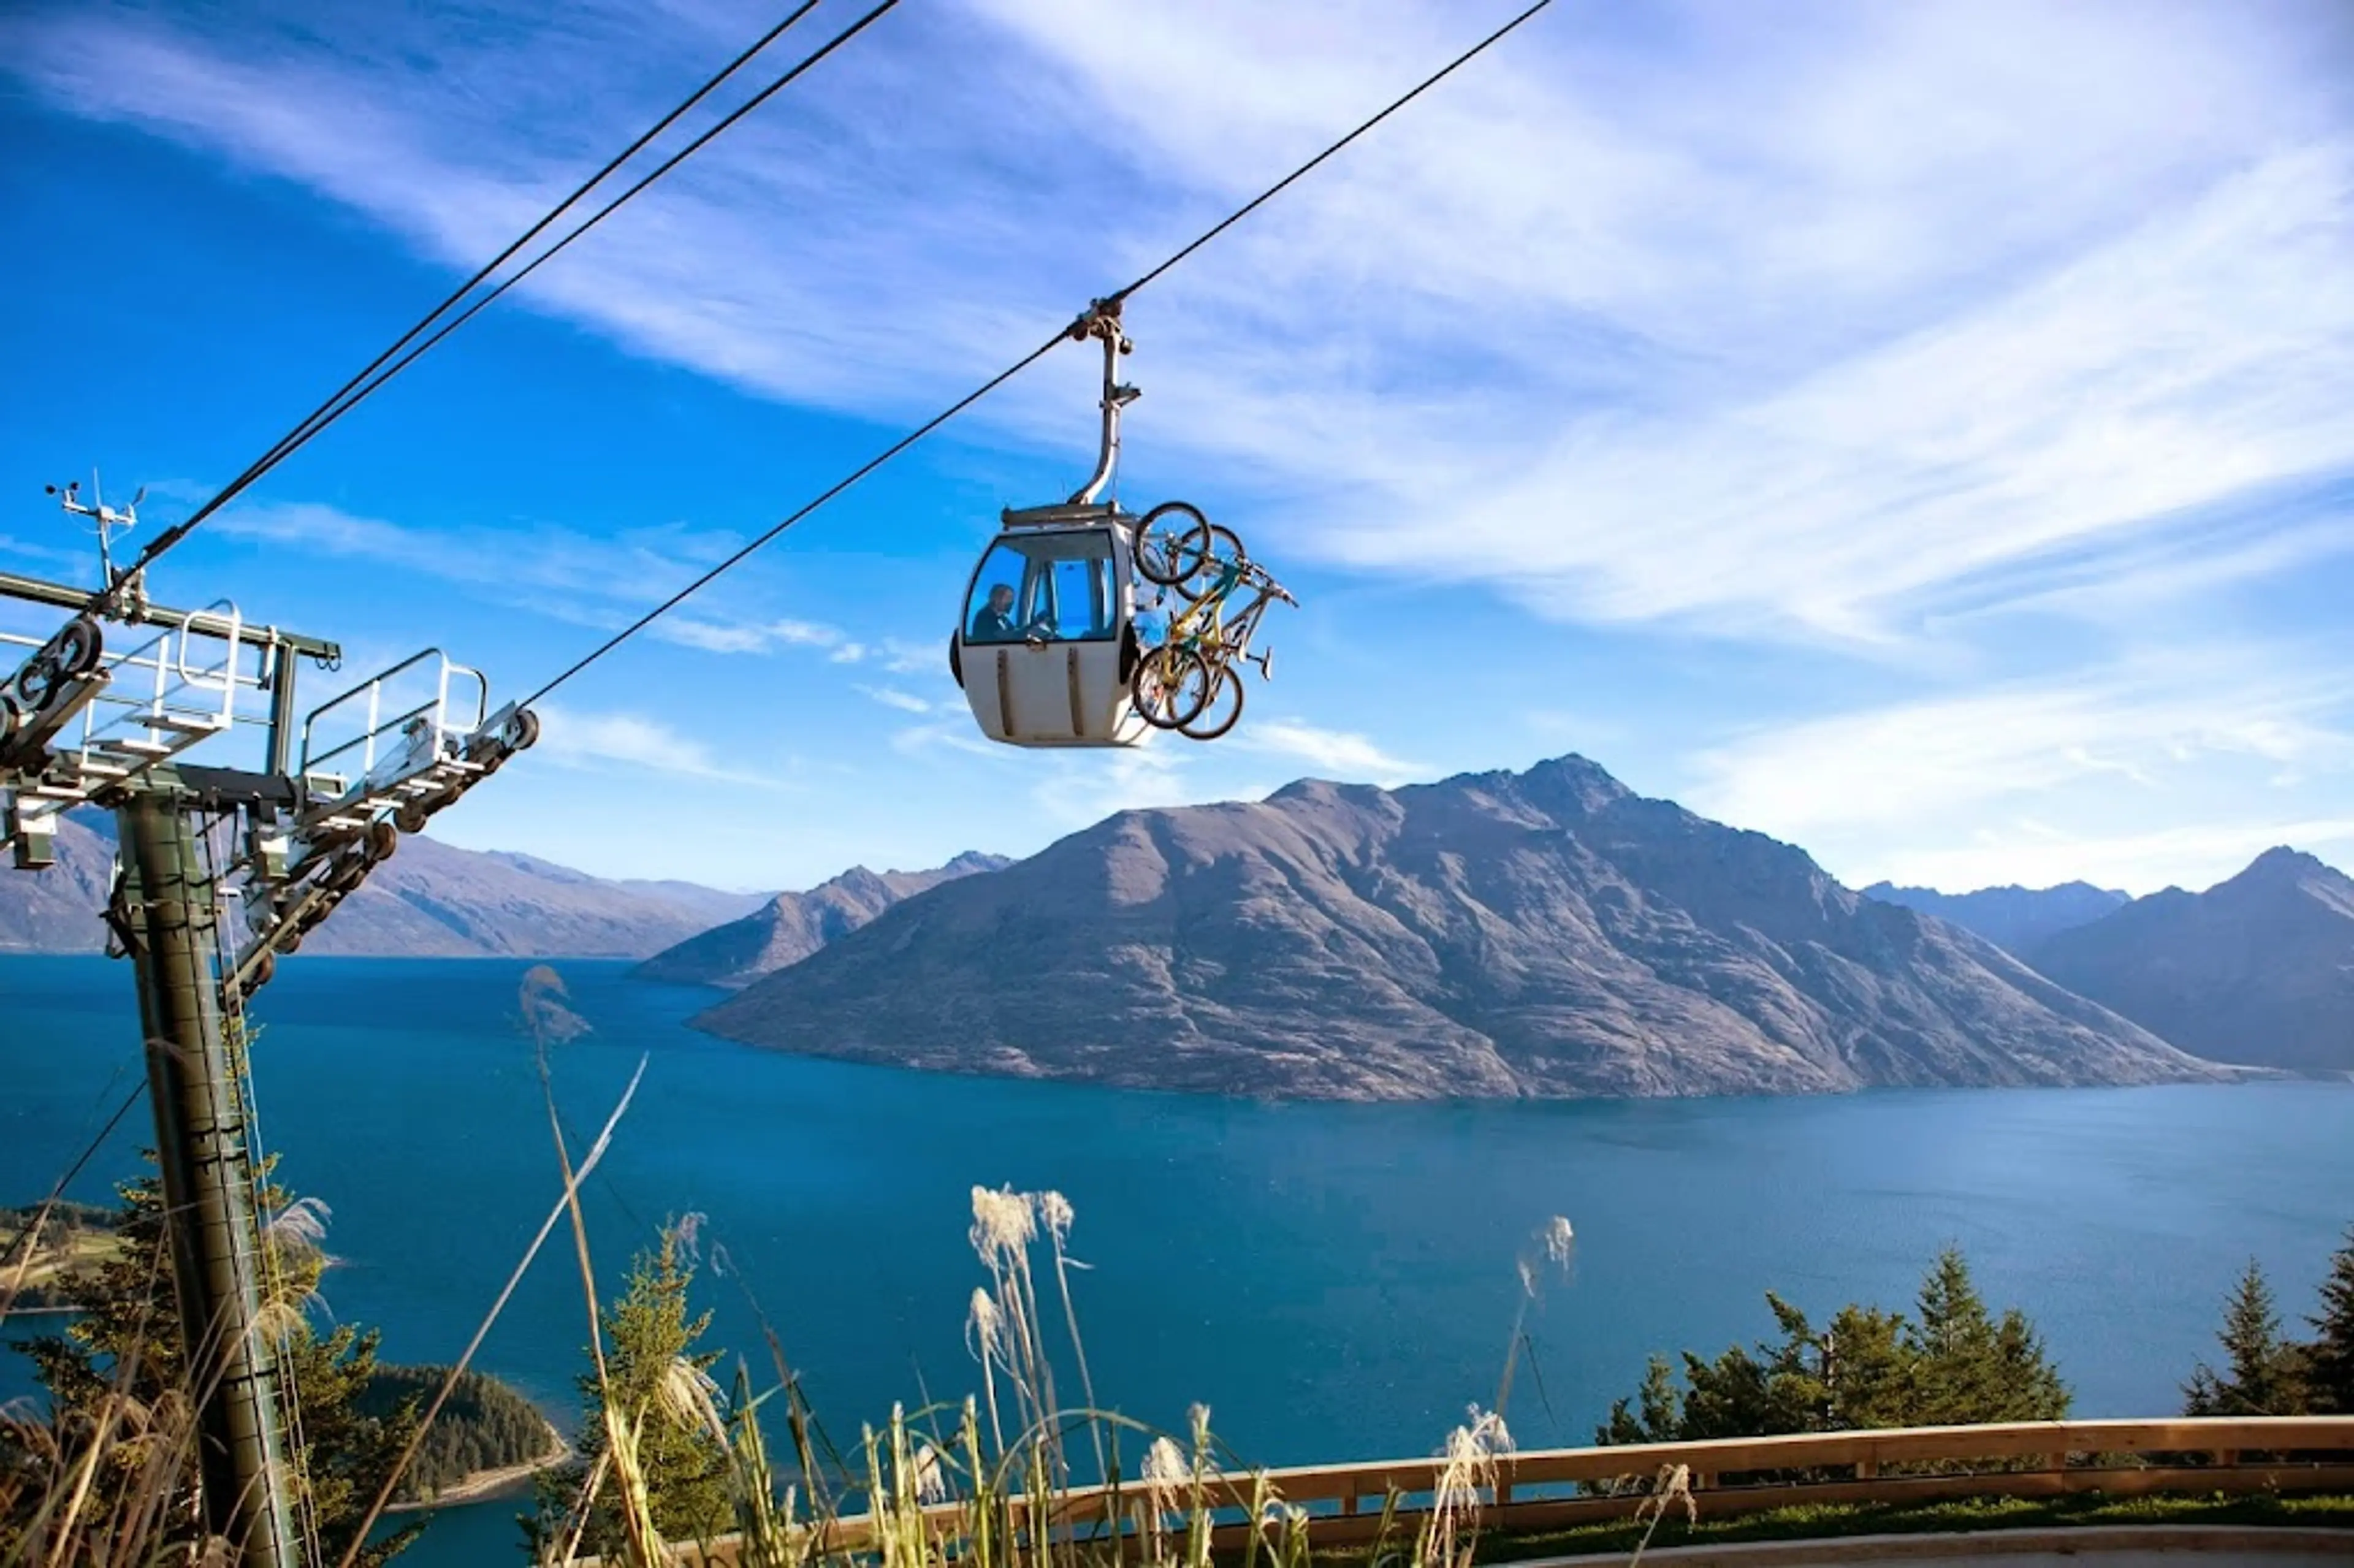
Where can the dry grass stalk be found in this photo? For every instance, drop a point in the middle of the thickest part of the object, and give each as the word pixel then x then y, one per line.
pixel 1673 1485
pixel 1555 1243
pixel 568 1201
pixel 1451 1529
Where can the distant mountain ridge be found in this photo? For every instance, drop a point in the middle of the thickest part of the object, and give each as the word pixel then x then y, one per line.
pixel 2014 918
pixel 429 900
pixel 792 925
pixel 2257 969
pixel 1548 933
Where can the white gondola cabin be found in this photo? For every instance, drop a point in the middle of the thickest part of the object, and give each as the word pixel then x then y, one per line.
pixel 1047 641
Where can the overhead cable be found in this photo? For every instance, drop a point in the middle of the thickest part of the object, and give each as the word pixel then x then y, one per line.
pixel 393 360
pixel 1110 302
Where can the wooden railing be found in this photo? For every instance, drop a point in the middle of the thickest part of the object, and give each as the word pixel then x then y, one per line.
pixel 1543 1489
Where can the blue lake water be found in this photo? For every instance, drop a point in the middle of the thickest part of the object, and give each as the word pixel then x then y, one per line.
pixel 1335 1281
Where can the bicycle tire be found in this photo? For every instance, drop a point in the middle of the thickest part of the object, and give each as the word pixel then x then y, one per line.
pixel 1222 678
pixel 1170 687
pixel 1173 556
pixel 1223 553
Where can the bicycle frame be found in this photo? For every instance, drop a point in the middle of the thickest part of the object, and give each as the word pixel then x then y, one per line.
pixel 1204 628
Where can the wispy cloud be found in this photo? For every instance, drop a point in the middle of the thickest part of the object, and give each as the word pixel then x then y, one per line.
pixel 599 742
pixel 1913 761
pixel 891 697
pixel 2033 855
pixel 1575 328
pixel 2004 783
pixel 1892 330
pixel 1335 754
pixel 585 579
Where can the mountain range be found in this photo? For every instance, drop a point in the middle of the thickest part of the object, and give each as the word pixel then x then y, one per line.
pixel 429 900
pixel 1549 933
pixel 2258 970
pixel 792 925
pixel 2014 918
pixel 1542 933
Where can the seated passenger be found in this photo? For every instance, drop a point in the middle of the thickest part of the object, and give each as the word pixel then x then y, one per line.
pixel 994 621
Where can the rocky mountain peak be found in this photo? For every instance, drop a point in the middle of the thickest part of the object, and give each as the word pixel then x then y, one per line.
pixel 1540 933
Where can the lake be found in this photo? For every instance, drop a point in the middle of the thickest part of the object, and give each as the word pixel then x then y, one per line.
pixel 1335 1281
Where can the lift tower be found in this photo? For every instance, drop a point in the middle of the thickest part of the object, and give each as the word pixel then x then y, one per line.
pixel 219 870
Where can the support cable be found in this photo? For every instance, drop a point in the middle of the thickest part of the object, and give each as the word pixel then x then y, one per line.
pixel 348 396
pixel 1108 306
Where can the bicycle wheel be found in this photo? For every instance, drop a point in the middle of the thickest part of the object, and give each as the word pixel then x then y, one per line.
pixel 1224 553
pixel 1217 714
pixel 1172 541
pixel 1170 686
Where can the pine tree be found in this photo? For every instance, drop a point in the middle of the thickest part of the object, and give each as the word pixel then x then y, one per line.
pixel 1870 1368
pixel 1867 1370
pixel 1655 1414
pixel 127 1339
pixel 2261 1379
pixel 650 1351
pixel 1966 1366
pixel 2329 1359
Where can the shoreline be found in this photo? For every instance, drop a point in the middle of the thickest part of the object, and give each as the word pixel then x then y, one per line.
pixel 488 1485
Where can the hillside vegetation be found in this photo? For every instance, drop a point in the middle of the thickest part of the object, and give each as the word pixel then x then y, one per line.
pixel 484 1425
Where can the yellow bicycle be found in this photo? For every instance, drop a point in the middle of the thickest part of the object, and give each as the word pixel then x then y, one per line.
pixel 1184 682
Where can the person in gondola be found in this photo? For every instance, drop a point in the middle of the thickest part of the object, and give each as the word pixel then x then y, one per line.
pixel 994 621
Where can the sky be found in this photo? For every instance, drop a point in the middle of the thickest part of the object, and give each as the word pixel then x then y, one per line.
pixel 1922 433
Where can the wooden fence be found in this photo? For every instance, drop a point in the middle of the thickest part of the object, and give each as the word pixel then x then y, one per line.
pixel 1543 1489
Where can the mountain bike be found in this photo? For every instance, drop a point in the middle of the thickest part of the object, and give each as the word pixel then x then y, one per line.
pixel 1191 671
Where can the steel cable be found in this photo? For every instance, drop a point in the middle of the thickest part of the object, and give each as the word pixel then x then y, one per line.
pixel 362 385
pixel 1027 360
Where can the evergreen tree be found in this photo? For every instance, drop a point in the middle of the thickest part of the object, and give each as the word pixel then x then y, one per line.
pixel 649 1355
pixel 1957 1364
pixel 1865 1370
pixel 127 1339
pixel 2261 1378
pixel 2329 1359
pixel 1967 1367
pixel 1661 1405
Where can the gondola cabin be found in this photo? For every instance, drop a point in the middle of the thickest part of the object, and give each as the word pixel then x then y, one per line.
pixel 1046 643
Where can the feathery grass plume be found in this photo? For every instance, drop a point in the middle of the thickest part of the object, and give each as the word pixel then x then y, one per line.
pixel 546 1008
pixel 294 1256
pixel 1673 1485
pixel 1166 1475
pixel 983 1326
pixel 1553 1243
pixel 1451 1529
pixel 931 1475
pixel 299 1229
pixel 689 1397
pixel 1003 1226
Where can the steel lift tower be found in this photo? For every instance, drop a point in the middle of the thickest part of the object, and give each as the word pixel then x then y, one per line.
pixel 219 870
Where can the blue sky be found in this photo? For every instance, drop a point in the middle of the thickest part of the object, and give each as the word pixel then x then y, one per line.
pixel 1924 433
